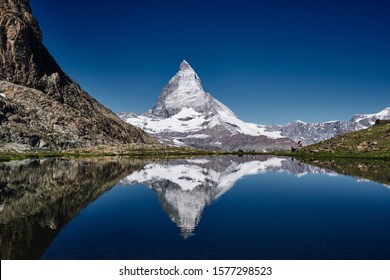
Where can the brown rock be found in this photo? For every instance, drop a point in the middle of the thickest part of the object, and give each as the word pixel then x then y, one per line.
pixel 42 102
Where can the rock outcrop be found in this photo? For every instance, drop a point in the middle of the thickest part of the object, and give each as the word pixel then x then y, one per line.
pixel 40 105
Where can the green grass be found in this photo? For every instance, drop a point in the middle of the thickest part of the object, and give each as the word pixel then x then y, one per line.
pixel 174 154
pixel 370 143
pixel 385 155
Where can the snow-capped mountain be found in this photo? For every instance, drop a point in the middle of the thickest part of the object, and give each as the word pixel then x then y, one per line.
pixel 366 120
pixel 185 187
pixel 187 115
pixel 310 133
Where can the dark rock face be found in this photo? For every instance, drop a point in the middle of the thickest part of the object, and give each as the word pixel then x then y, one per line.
pixel 27 68
pixel 24 60
pixel 381 122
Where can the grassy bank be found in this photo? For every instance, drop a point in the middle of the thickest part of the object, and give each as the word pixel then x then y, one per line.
pixel 103 151
pixel 385 155
pixel 173 152
pixel 370 143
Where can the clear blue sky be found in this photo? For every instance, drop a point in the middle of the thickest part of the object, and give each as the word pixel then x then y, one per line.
pixel 270 61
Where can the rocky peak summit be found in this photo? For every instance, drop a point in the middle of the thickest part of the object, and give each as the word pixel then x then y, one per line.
pixel 183 90
pixel 185 66
pixel 186 81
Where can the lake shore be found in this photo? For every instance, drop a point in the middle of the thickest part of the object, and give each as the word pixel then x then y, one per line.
pixel 142 150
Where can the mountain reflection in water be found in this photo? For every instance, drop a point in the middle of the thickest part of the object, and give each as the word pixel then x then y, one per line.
pixel 185 187
pixel 39 197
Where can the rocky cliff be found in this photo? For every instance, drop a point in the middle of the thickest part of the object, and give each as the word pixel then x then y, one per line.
pixel 42 106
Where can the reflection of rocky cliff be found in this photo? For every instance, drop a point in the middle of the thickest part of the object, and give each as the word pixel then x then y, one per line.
pixel 185 187
pixel 39 197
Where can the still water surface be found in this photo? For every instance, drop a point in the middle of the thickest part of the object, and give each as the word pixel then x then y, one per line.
pixel 206 208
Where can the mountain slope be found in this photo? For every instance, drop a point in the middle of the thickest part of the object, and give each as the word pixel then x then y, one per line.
pixel 28 69
pixel 187 115
pixel 373 140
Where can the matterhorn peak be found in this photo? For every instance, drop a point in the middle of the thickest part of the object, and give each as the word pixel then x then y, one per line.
pixel 183 90
pixel 185 66
pixel 187 115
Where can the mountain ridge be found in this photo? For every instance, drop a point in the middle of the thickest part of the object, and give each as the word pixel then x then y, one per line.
pixel 25 64
pixel 311 133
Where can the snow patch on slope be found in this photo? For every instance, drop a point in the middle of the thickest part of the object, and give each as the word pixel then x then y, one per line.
pixel 188 120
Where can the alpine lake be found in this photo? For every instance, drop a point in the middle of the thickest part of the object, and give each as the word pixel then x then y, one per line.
pixel 223 207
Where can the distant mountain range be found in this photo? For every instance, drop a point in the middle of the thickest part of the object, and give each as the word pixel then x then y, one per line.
pixel 310 133
pixel 187 115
